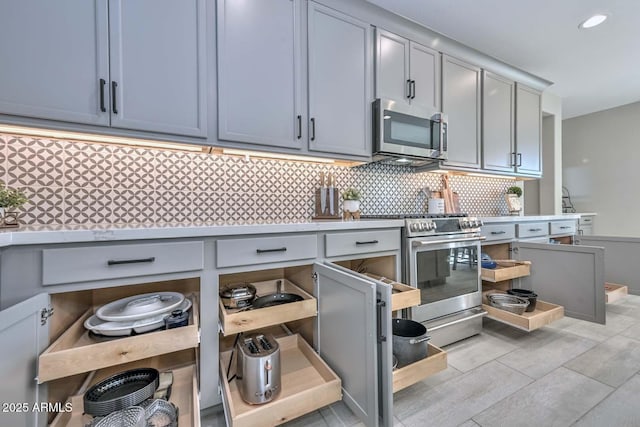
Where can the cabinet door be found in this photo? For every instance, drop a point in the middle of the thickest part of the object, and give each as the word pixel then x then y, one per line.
pixel 340 82
pixel 54 54
pixel 568 275
pixel 498 102
pixel 23 337
pixel 528 131
pixel 157 60
pixel 260 72
pixel 425 72
pixel 461 102
pixel 392 67
pixel 347 338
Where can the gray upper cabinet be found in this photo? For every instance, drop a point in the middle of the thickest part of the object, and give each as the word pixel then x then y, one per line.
pixel 54 55
pixel 528 131
pixel 92 62
pixel 461 102
pixel 157 62
pixel 407 71
pixel 340 58
pixel 498 103
pixel 260 92
pixel 24 336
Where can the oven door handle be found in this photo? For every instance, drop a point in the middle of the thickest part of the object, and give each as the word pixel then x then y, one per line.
pixel 418 243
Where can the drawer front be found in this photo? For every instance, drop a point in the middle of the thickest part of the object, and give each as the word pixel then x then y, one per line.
pixel 586 220
pixel 533 229
pixel 563 227
pixel 362 242
pixel 82 264
pixel 499 232
pixel 262 250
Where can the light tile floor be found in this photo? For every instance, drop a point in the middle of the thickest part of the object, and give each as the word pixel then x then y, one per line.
pixel 570 373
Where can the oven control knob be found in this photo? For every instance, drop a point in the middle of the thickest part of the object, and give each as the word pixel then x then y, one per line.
pixel 413 227
pixel 423 226
pixel 432 226
pixel 465 224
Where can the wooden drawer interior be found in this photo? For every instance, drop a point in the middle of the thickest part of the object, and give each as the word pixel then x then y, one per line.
pixel 614 292
pixel 402 296
pixel 74 351
pixel 435 362
pixel 184 393
pixel 308 383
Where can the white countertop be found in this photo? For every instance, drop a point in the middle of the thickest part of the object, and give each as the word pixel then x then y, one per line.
pixel 32 235
pixel 526 218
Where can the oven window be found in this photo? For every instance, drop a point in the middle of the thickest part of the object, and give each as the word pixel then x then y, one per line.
pixel 447 273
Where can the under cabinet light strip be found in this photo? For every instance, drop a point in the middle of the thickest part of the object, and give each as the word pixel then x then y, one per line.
pixel 105 139
pixel 246 153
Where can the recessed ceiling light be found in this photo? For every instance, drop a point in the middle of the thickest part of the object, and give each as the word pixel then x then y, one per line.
pixel 593 21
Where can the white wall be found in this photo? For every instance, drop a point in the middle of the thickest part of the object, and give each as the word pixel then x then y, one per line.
pixel 601 167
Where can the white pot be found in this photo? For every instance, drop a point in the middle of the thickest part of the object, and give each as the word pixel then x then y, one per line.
pixel 351 205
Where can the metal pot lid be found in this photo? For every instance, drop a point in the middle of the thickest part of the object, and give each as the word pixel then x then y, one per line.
pixel 140 306
pixel 238 290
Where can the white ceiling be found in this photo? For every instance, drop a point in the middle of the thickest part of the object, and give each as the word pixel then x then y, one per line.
pixel 592 70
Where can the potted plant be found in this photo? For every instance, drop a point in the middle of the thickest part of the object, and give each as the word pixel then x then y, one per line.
pixel 513 200
pixel 351 197
pixel 10 199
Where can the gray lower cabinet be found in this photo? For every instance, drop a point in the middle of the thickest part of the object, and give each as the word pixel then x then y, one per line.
pixel 23 336
pixel 568 275
pixel 498 137
pixel 528 131
pixel 54 55
pixel 93 63
pixel 340 60
pixel 260 85
pixel 461 103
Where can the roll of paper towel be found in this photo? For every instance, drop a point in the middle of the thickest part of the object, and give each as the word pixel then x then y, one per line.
pixel 436 206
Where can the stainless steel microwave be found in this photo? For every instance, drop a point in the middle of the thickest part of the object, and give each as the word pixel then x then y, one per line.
pixel 408 134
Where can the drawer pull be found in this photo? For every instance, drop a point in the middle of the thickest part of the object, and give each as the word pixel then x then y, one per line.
pixel 564 227
pixel 131 261
pixel 368 242
pixel 535 229
pixel 498 232
pixel 264 251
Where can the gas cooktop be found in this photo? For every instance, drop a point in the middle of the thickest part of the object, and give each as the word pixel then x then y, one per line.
pixel 421 225
pixel 413 216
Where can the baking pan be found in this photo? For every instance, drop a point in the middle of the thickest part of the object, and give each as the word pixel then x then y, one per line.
pixel 121 391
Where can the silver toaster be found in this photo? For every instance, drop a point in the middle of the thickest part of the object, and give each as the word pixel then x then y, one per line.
pixel 258 370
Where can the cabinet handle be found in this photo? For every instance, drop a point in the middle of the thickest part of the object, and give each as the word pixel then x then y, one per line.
pixel 114 87
pixel 103 82
pixel 519 160
pixel 413 89
pixel 513 159
pixel 264 251
pixel 535 229
pixel 299 127
pixel 313 129
pixel 379 306
pixel 498 232
pixel 369 242
pixel 564 227
pixel 408 89
pixel 131 261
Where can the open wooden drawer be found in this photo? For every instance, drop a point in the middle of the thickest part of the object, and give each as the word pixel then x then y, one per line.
pixel 308 383
pixel 506 270
pixel 435 362
pixel 402 296
pixel 614 292
pixel 184 390
pixel 544 313
pixel 234 321
pixel 75 351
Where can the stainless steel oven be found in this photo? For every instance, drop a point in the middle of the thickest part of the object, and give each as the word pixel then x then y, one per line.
pixel 440 257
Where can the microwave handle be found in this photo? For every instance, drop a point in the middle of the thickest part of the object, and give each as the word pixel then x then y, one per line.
pixel 443 134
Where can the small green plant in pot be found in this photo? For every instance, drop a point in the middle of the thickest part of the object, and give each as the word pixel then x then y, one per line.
pixel 351 197
pixel 10 199
pixel 513 200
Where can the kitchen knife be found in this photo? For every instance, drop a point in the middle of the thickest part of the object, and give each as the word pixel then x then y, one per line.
pixel 331 189
pixel 323 195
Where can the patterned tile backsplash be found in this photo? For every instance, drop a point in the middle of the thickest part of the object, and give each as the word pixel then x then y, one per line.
pixel 72 183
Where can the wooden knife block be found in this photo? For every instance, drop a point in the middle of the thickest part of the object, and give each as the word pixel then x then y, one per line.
pixel 319 214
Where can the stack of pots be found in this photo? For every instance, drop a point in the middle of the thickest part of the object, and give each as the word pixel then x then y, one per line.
pixel 410 341
pixel 527 294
